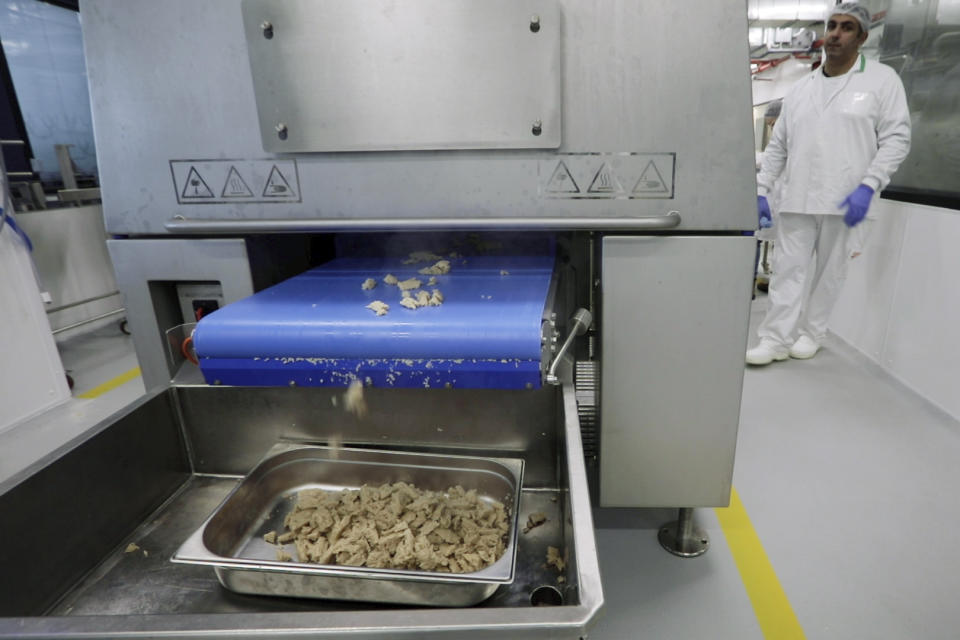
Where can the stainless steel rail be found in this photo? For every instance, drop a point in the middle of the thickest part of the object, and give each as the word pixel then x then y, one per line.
pixel 207 226
pixel 579 324
pixel 80 302
pixel 89 320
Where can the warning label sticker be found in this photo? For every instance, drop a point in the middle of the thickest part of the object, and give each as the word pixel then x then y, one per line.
pixel 195 187
pixel 651 181
pixel 235 186
pixel 621 176
pixel 235 181
pixel 605 181
pixel 562 181
pixel 277 185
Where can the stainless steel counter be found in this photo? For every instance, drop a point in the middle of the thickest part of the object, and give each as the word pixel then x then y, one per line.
pixel 144 581
pixel 70 520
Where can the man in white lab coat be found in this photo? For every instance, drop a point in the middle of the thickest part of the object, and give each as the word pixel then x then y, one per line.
pixel 843 131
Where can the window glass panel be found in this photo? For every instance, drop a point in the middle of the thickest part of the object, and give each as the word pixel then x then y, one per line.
pixel 44 50
pixel 921 40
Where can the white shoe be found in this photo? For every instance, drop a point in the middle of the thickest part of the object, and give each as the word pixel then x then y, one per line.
pixel 766 352
pixel 804 348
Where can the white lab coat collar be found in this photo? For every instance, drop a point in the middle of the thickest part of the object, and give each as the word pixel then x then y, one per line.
pixel 821 105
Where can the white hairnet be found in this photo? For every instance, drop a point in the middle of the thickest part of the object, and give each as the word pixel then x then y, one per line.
pixel 854 10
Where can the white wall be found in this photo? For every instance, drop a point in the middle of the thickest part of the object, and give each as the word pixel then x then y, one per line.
pixel 901 302
pixel 70 251
pixel 31 374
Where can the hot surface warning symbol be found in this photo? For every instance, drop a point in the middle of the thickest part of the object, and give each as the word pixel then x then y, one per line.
pixel 651 181
pixel 605 181
pixel 562 181
pixel 195 187
pixel 235 186
pixel 277 185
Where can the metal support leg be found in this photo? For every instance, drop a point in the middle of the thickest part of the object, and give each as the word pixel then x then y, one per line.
pixel 681 538
pixel 66 165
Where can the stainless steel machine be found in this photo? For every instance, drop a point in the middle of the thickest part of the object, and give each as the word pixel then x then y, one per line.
pixel 243 142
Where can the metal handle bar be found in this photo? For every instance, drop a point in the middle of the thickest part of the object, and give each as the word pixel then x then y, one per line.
pixel 208 226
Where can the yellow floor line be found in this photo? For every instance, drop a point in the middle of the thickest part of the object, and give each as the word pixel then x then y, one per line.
pixel 109 385
pixel 774 613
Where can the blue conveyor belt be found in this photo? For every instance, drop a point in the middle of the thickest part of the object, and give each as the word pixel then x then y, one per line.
pixel 314 329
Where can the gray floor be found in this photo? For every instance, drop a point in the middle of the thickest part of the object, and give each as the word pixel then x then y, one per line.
pixel 846 477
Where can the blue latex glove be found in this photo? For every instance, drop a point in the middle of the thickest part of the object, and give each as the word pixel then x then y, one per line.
pixel 763 207
pixel 857 204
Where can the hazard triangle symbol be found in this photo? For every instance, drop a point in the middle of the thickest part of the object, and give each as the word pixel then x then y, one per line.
pixel 605 181
pixel 235 186
pixel 277 186
pixel 562 181
pixel 650 181
pixel 196 187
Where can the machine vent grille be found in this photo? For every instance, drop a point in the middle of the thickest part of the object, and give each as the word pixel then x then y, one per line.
pixel 586 390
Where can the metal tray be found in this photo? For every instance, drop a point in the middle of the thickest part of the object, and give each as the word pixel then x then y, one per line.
pixel 231 540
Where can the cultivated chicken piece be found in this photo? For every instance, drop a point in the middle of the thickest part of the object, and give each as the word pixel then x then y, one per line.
pixel 441 267
pixel 379 307
pixel 409 284
pixel 397 526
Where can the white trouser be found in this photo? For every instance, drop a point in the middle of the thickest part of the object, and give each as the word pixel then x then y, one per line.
pixel 798 307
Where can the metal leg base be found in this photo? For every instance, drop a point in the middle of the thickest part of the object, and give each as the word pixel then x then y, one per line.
pixel 682 539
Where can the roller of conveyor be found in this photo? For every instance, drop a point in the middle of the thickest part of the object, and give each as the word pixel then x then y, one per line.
pixel 315 329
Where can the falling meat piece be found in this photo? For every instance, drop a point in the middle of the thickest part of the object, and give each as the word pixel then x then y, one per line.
pixel 390 279
pixel 409 302
pixel 436 299
pixel 353 401
pixel 368 284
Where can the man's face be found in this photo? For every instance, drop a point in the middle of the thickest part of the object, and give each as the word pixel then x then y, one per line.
pixel 843 37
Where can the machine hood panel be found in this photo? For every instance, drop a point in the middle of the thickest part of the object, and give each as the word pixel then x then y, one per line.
pixel 178 114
